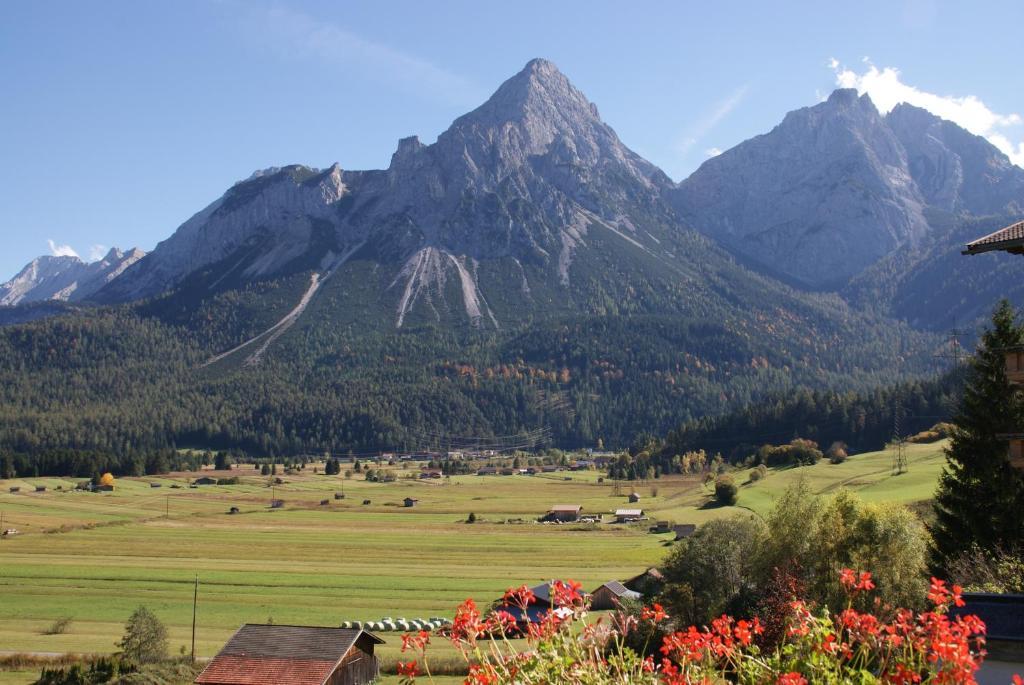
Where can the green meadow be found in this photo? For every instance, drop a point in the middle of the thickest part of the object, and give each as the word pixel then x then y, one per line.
pixel 94 557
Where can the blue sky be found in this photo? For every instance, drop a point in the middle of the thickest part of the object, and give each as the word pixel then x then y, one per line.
pixel 119 120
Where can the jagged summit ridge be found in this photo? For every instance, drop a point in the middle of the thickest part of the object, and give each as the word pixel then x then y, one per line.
pixel 65 278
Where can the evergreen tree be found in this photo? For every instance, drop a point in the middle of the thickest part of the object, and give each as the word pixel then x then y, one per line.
pixel 8 471
pixel 980 496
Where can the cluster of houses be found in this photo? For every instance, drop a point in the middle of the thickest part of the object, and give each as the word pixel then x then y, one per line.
pixel 309 655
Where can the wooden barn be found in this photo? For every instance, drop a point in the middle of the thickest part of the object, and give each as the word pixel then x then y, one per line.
pixel 634 497
pixel 410 501
pixel 610 595
pixel 205 480
pixel 565 512
pixel 297 655
pixel 628 515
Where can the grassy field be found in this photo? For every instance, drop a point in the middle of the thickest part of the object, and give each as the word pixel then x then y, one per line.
pixel 95 557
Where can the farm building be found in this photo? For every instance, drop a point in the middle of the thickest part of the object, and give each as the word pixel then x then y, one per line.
pixel 634 498
pixel 276 503
pixel 233 510
pixel 205 480
pixel 15 488
pixel 627 515
pixel 431 473
pixel 297 655
pixel 9 532
pixel 662 527
pixel 549 469
pixel 105 487
pixel 155 485
pixel 536 610
pixel 684 530
pixel 410 501
pixel 648 583
pixel 339 495
pixel 487 471
pixel 1003 615
pixel 565 512
pixel 40 488
pixel 609 595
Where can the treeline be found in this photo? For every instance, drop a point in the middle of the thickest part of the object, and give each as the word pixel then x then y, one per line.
pixel 784 429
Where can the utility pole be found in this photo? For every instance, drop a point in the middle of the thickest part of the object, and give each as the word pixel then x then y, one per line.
pixel 195 602
pixel 953 349
pixel 167 507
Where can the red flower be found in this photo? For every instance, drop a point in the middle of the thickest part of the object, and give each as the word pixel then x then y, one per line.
pixel 407 669
pixel 419 641
pixel 654 613
pixel 520 597
pixel 791 678
pixel 566 593
pixel 481 674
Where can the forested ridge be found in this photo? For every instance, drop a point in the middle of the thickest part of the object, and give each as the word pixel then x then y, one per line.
pixel 129 382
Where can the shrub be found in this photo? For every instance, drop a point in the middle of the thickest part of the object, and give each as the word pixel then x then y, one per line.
pixel 471 518
pixel 726 491
pixel 758 473
pixel 836 452
pixel 845 646
pixel 58 627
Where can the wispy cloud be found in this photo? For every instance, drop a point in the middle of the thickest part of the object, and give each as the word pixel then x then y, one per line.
pixel 296 34
pixel 61 250
pixel 700 128
pixel 713 152
pixel 886 88
pixel 97 252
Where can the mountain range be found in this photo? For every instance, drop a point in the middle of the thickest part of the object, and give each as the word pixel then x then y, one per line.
pixel 528 269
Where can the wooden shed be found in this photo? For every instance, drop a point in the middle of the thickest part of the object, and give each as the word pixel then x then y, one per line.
pixel 634 498
pixel 565 512
pixel 410 501
pixel 628 515
pixel 296 655
pixel 610 595
pixel 40 488
pixel 205 480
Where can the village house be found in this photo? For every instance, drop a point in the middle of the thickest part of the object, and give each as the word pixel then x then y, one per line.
pixel 487 471
pixel 565 512
pixel 628 515
pixel 610 595
pixel 431 473
pixel 296 655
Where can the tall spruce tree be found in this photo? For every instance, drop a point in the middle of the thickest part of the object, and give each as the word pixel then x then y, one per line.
pixel 981 496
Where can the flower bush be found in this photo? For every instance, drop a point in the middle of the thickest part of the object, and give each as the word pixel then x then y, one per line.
pixel 817 646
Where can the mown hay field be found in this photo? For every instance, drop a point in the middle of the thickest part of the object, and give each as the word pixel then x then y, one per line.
pixel 94 557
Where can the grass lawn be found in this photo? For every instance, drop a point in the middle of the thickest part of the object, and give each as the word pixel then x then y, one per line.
pixel 95 557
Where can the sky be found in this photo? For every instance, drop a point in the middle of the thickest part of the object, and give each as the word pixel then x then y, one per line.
pixel 121 119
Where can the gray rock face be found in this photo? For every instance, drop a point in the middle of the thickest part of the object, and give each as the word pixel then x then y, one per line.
pixel 819 198
pixel 955 170
pixel 836 187
pixel 67 279
pixel 521 178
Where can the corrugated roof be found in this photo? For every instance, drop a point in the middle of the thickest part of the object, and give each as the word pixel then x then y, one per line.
pixel 1009 238
pixel 289 655
pixel 629 512
pixel 566 507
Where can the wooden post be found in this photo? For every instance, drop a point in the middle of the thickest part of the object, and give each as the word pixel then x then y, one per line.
pixel 195 601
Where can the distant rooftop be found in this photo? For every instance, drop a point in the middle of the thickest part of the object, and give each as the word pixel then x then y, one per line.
pixel 1009 239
